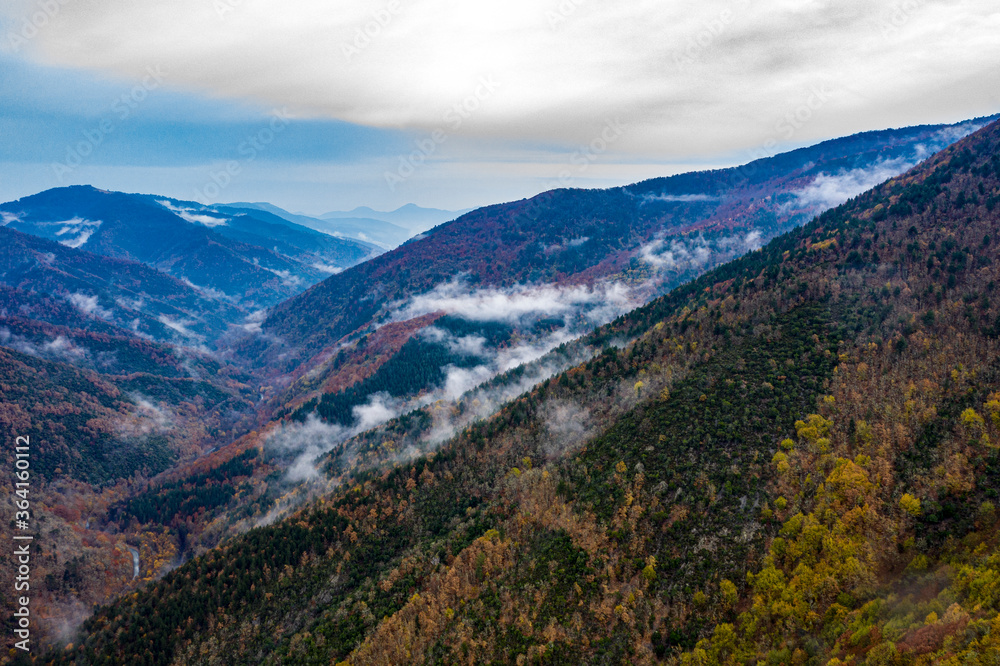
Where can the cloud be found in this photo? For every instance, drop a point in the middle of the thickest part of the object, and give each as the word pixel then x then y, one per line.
pixel 305 442
pixel 327 268
pixel 568 424
pixel 60 348
pixel 697 253
pixel 6 218
pixel 254 321
pixel 64 348
pixel 678 198
pixel 468 345
pixel 519 303
pixel 828 191
pixel 130 303
pixel 459 381
pixel 287 278
pixel 208 291
pixel 147 418
pixel 179 327
pixel 695 78
pixel 375 412
pixel 831 190
pixel 89 305
pixel 190 215
pixel 83 229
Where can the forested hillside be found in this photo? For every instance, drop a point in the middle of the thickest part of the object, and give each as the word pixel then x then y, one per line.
pixel 579 236
pixel 791 460
pixel 250 258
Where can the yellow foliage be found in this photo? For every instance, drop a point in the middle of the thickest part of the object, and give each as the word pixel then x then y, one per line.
pixel 729 593
pixel 971 419
pixel 910 504
pixel 813 427
pixel 864 432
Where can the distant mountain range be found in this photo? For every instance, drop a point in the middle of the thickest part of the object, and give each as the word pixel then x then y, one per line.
pixel 387 230
pixel 250 260
pixel 410 216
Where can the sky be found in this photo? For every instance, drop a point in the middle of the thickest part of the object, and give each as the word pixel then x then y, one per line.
pixel 316 106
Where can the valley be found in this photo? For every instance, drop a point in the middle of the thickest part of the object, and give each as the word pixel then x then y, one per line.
pixel 722 417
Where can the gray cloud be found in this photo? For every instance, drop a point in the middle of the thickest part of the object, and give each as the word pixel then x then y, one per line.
pixel 714 76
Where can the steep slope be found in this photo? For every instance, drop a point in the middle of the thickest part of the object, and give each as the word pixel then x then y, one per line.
pixel 790 460
pixel 574 236
pixel 551 268
pixel 243 259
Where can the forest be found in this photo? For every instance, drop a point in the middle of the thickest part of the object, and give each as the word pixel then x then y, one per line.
pixel 792 460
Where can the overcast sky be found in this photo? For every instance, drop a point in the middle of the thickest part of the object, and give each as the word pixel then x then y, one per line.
pixel 317 106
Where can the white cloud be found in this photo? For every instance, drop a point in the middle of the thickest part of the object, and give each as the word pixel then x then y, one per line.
pixel 696 253
pixel 6 218
pixel 375 412
pixel 59 349
pixel 179 327
pixel 327 268
pixel 712 76
pixel 519 303
pixel 64 348
pixel 287 278
pixel 147 418
pixel 190 215
pixel 208 291
pixel 568 424
pixel 678 198
pixel 130 303
pixel 89 305
pixel 254 321
pixel 306 442
pixel 830 190
pixel 469 345
pixel 83 230
pixel 459 381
